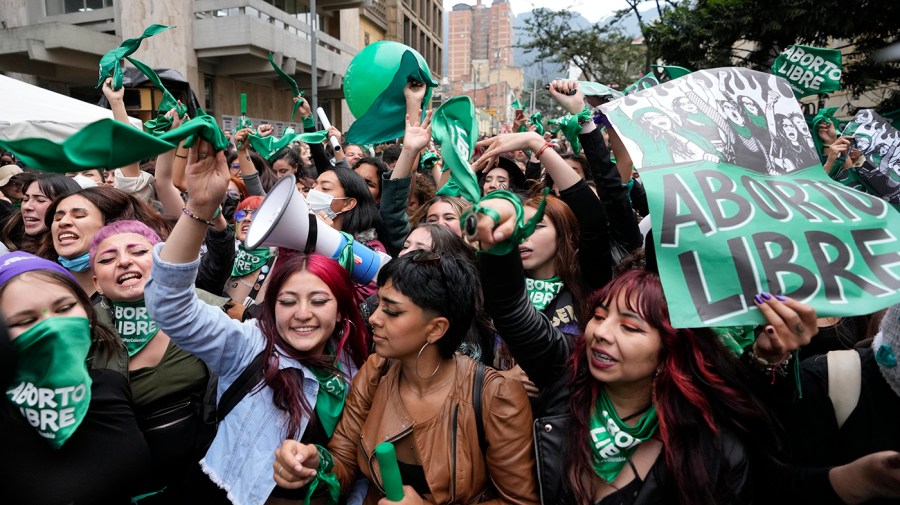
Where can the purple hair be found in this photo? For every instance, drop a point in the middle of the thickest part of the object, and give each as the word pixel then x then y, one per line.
pixel 119 227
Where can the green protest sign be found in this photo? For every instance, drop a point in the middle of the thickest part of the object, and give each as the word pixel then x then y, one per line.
pixel 734 217
pixel 809 70
pixel 879 143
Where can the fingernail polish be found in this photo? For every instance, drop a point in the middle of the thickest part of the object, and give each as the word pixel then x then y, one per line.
pixel 766 296
pixel 780 298
pixel 758 299
pixel 770 330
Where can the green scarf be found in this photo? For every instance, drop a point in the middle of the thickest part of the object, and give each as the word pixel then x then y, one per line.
pixel 538 123
pixel 571 127
pixel 269 147
pixel 51 386
pixel 134 325
pixel 331 398
pixel 455 127
pixel 523 229
pixel 111 62
pixel 290 81
pixel 516 105
pixel 614 442
pixel 542 292
pixel 247 261
pixel 161 123
pixel 758 120
pixel 742 130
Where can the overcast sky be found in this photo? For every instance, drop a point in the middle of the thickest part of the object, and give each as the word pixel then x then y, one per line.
pixel 593 10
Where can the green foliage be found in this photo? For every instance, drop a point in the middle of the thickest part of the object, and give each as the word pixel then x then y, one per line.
pixel 751 33
pixel 600 52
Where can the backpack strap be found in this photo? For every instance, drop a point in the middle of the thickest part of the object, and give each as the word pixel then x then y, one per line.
pixel 844 382
pixel 477 389
pixel 236 392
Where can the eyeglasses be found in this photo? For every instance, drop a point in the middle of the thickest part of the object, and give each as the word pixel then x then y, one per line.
pixel 242 215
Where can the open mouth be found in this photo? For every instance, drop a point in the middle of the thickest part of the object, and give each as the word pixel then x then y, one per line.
pixel 129 279
pixel 602 359
pixel 67 237
pixel 304 329
pixel 525 252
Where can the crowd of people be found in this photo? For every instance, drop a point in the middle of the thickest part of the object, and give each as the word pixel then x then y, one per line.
pixel 517 349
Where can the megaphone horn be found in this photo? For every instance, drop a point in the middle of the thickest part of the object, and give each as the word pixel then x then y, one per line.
pixel 283 219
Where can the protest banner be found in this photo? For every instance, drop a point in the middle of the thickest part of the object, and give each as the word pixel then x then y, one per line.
pixel 809 70
pixel 740 204
pixel 879 143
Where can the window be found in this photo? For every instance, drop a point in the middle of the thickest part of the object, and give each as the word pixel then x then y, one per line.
pixel 58 7
pixel 208 91
pixel 366 38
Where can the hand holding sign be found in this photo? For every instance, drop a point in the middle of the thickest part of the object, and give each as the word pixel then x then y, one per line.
pixel 789 326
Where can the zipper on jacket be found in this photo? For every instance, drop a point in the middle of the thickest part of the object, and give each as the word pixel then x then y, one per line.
pixel 454 430
pixel 376 476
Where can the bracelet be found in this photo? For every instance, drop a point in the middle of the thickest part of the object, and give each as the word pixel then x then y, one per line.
pixel 539 153
pixel 180 156
pixel 780 369
pixel 191 215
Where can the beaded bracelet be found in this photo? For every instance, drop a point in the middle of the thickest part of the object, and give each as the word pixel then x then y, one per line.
pixel 198 218
pixel 771 369
pixel 539 153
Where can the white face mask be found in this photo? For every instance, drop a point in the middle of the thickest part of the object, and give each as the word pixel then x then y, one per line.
pixel 320 201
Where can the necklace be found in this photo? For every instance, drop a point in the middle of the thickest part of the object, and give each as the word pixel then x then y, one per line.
pixel 434 390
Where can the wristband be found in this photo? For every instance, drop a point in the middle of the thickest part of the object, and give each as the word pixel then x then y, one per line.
pixel 309 123
pixel 324 478
pixel 523 230
pixel 539 153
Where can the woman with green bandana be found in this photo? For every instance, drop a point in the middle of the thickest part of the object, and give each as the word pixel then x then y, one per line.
pixel 250 273
pixel 301 353
pixel 67 427
pixel 165 380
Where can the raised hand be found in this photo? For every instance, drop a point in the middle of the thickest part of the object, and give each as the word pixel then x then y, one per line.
pixel 559 90
pixel 206 177
pixel 790 325
pixel 113 95
pixel 417 135
pixel 304 110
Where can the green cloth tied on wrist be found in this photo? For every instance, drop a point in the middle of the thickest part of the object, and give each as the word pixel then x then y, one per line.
pixel 523 230
pixel 345 258
pixel 571 127
pixel 309 123
pixel 204 126
pixel 269 147
pixel 111 62
pixel 324 477
pixel 291 82
pixel 106 143
pixel 427 161
pixel 161 123
pixel 455 128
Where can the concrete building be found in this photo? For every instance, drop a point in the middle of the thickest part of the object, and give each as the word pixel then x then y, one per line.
pixel 220 46
pixel 416 23
pixel 479 33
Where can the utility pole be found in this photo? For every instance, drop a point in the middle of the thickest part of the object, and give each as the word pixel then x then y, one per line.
pixel 314 70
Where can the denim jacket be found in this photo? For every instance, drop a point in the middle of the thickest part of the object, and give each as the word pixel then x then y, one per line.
pixel 241 456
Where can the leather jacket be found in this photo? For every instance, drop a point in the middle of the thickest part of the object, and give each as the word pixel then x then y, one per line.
pixel 448 445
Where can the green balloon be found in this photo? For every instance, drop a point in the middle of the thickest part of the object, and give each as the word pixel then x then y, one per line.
pixel 371 72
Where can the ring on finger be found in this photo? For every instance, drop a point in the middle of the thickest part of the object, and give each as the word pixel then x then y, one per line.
pixel 280 469
pixel 800 328
pixel 201 156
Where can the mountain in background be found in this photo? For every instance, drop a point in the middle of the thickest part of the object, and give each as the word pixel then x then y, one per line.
pixel 546 71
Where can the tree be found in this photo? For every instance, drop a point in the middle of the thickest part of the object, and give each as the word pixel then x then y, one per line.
pixel 711 33
pixel 601 53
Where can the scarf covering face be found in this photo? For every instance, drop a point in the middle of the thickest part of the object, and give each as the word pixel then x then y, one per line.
pixel 51 385
pixel 612 441
pixel 134 325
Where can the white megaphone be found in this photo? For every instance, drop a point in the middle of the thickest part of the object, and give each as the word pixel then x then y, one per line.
pixel 283 220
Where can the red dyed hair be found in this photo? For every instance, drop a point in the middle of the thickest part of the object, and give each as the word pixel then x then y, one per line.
pixel 700 390
pixel 251 202
pixel 287 384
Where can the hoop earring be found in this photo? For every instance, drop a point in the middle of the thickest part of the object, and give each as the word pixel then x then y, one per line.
pixel 103 301
pixel 427 343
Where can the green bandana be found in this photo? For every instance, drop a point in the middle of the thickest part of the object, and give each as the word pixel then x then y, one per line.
pixel 427 161
pixel 538 122
pixel 523 230
pixel 742 130
pixel 825 115
pixel 111 62
pixel 596 89
pixel 571 127
pixel 455 127
pixel 269 147
pixel 204 126
pixel 758 120
pixel 246 261
pixel 51 386
pixel 542 292
pixel 331 398
pixel 290 81
pixel 612 441
pixel 516 105
pixel 134 325
pixel 161 123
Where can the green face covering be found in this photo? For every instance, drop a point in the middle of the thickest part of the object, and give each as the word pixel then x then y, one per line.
pixel 246 262
pixel 134 325
pixel 51 385
pixel 542 292
pixel 330 400
pixel 612 441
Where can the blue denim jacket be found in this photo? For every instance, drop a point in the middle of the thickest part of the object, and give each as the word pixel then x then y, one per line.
pixel 241 456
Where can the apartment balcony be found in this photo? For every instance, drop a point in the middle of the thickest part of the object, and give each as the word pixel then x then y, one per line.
pixel 234 38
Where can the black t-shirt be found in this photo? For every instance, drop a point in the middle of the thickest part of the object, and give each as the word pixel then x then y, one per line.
pixel 105 461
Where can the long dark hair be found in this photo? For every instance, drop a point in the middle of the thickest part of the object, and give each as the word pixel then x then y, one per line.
pixel 287 384
pixel 700 391
pixel 53 186
pixel 365 214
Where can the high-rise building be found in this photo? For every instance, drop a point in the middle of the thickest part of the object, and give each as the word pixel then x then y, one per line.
pixel 479 33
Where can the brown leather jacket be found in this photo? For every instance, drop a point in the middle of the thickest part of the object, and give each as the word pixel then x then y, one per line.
pixel 448 447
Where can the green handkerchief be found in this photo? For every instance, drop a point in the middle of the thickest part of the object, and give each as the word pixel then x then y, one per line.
pixel 268 147
pixel 160 124
pixel 288 79
pixel 111 62
pixel 455 127
pixel 203 125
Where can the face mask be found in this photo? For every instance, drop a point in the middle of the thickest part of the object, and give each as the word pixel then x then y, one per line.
pixel 134 325
pixel 320 201
pixel 80 264
pixel 51 385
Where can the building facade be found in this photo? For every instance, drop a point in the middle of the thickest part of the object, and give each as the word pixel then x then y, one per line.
pixel 479 33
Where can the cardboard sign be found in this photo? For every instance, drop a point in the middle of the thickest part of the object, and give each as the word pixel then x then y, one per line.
pixel 879 142
pixel 741 205
pixel 809 70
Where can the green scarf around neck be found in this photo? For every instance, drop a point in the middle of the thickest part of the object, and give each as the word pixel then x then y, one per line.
pixel 742 130
pixel 612 441
pixel 331 398
pixel 248 261
pixel 134 325
pixel 758 120
pixel 542 292
pixel 51 386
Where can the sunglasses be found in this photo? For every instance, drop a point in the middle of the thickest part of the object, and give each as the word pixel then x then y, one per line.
pixel 242 215
pixel 235 166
